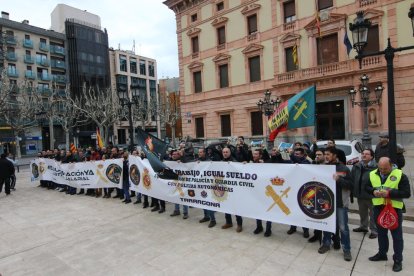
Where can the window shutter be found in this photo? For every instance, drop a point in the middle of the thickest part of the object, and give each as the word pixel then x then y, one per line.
pixel 323 4
pixel 225 125
pixel 254 68
pixel 224 75
pixel 327 49
pixel 289 9
pixel 199 122
pixel 372 40
pixel 252 23
pixel 256 120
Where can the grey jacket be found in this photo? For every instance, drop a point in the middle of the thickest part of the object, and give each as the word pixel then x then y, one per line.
pixel 360 178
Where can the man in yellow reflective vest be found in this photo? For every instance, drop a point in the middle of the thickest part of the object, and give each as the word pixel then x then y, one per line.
pixel 389 182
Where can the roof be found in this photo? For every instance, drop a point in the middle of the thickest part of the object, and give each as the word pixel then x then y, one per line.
pixel 30 29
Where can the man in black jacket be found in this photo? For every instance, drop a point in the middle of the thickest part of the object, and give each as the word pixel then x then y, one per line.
pixel 343 192
pixel 383 150
pixel 360 176
pixel 6 171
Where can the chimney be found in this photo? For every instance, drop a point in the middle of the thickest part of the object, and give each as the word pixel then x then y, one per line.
pixel 5 15
pixel 25 22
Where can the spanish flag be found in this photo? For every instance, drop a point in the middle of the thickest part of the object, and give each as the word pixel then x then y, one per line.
pixel 99 139
pixel 72 148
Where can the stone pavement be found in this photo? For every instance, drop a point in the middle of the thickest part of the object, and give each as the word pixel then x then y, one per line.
pixel 44 232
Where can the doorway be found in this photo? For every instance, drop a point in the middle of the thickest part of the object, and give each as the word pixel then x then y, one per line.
pixel 330 120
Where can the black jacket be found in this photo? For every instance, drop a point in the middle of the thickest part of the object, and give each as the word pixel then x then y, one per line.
pixel 343 185
pixel 360 178
pixel 242 153
pixel 6 168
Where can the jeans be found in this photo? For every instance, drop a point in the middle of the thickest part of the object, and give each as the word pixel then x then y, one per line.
pixel 397 236
pixel 342 224
pixel 209 214
pixel 185 208
pixel 125 187
pixel 239 219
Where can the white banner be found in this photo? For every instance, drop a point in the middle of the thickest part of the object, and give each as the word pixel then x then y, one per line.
pixel 301 195
pixel 92 174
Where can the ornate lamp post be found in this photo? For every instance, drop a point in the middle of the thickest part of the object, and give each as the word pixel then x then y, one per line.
pixel 365 103
pixel 359 31
pixel 267 107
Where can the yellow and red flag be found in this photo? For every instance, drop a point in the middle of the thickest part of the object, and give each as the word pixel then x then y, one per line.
pixel 72 148
pixel 99 139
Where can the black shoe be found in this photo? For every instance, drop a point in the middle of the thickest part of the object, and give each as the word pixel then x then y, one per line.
pixel 117 196
pixel 373 236
pixel 124 200
pixel 121 198
pixel 291 231
pixel 258 230
pixel 205 219
pixel 378 257
pixel 314 238
pixel 152 204
pixel 268 233
pixel 145 205
pixel 397 267
pixel 337 245
pixel 360 230
pixel 156 208
pixel 138 201
pixel 162 210
pixel 175 213
pixel 323 249
pixel 212 224
pixel 306 234
pixel 81 193
pixel 127 201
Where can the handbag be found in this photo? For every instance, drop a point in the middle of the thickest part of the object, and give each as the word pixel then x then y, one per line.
pixel 388 217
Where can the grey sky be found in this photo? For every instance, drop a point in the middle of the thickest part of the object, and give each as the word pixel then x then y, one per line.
pixel 149 22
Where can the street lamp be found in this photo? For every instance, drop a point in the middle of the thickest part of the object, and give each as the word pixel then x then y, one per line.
pixel 267 107
pixel 365 103
pixel 359 31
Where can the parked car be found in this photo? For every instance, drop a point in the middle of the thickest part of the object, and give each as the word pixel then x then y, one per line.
pixel 352 149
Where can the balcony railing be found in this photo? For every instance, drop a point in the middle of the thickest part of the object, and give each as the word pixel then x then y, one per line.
pixel 56 49
pixel 29 59
pixel 59 78
pixel 11 56
pixel 44 77
pixel 43 47
pixel 44 91
pixel 364 3
pixel 331 69
pixel 252 36
pixel 43 62
pixel 13 73
pixel 28 43
pixel 58 64
pixel 30 75
pixel 11 40
pixel 289 26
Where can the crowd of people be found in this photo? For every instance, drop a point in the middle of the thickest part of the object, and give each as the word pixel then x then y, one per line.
pixel 370 181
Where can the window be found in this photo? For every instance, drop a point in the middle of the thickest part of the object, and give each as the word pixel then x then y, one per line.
pixel 122 63
pixel 142 69
pixel 289 11
pixel 254 69
pixel 121 136
pixel 220 6
pixel 256 120
pixel 99 59
pixel 194 44
pixel 225 125
pixel 11 68
pixel 323 4
pixel 151 69
pixel 43 41
pixel 221 35
pixel 194 17
pixel 224 75
pixel 198 87
pixel 27 52
pixel 199 125
pixel 372 40
pixel 40 58
pixel 133 65
pixel 290 63
pixel 90 57
pixel 252 24
pixel 327 49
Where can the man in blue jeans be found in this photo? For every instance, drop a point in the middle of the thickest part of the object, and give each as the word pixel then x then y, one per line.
pixel 343 191
pixel 388 182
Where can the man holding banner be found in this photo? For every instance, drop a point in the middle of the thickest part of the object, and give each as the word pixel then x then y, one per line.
pixel 343 191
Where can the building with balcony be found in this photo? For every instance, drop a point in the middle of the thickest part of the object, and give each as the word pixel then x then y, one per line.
pixel 131 72
pixel 29 55
pixel 231 51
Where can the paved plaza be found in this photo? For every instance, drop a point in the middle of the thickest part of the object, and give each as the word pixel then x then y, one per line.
pixel 44 232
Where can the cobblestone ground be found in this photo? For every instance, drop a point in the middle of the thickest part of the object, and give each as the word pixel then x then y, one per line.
pixel 44 232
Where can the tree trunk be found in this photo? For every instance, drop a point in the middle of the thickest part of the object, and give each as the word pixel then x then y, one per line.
pixel 52 134
pixel 18 152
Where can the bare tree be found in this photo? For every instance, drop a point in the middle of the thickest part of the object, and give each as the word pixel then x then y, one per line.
pixel 21 108
pixel 5 90
pixel 100 106
pixel 170 113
